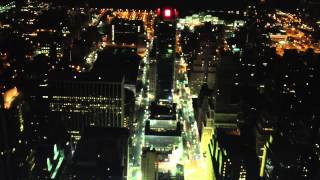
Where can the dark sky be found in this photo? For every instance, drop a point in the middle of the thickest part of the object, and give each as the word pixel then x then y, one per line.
pixel 180 4
pixel 185 4
pixel 192 4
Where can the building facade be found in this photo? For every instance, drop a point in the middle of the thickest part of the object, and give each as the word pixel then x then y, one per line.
pixel 80 104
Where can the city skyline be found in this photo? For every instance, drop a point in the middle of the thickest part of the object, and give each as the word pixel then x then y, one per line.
pixel 168 90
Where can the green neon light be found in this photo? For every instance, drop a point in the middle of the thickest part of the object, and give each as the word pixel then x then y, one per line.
pixel 56 152
pixel 49 165
pixel 236 50
pixel 54 174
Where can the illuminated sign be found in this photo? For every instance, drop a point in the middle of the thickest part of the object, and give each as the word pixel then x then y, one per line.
pixel 167 13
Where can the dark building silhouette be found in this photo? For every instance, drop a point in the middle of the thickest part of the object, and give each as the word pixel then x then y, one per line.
pixel 102 154
pixel 231 155
pixel 14 147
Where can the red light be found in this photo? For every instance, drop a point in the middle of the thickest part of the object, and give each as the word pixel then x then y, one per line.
pixel 167 13
pixel 158 12
pixel 176 12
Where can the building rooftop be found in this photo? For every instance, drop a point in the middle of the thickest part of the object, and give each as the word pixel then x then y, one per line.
pixel 235 144
pixel 118 62
pixel 162 112
pixel 85 76
pixel 101 153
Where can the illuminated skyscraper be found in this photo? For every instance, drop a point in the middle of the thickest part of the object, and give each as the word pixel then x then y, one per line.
pixel 165 32
pixel 81 101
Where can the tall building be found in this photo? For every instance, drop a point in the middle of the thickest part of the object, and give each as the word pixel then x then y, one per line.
pixel 227 99
pixel 231 155
pixel 37 99
pixel 290 158
pixel 3 142
pixel 14 147
pixel 165 39
pixel 102 154
pixel 82 101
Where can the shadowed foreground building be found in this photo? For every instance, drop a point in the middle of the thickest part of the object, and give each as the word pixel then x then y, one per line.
pixel 14 147
pixel 102 154
pixel 290 158
pixel 232 157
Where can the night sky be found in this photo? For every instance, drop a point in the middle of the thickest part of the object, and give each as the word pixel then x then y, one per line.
pixel 190 4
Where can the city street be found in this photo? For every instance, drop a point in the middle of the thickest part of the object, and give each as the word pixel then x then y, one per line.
pixel 195 165
pixel 142 113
